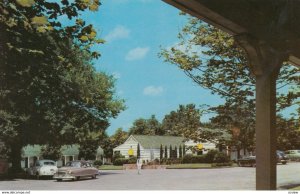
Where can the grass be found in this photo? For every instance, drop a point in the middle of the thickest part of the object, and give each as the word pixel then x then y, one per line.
pixel 110 167
pixel 295 188
pixel 189 166
pixel 196 166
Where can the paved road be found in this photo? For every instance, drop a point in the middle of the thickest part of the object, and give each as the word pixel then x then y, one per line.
pixel 237 178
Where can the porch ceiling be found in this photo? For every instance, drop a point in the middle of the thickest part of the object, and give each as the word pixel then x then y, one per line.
pixel 275 22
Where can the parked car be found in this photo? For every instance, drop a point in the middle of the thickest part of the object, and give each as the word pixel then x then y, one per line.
pixel 251 160
pixel 281 157
pixel 42 168
pixel 293 155
pixel 247 161
pixel 74 170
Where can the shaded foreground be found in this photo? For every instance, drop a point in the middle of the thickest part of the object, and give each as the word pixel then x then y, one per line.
pixel 236 178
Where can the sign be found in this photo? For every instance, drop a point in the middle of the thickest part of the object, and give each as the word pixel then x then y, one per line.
pixel 130 152
pixel 200 146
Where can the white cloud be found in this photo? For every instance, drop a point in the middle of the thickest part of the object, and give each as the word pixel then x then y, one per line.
pixel 137 53
pixel 119 32
pixel 153 91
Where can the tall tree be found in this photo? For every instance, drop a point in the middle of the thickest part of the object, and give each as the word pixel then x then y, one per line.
pixel 48 86
pixel 166 152
pixel 109 143
pixel 149 126
pixel 288 133
pixel 180 151
pixel 211 59
pixel 161 152
pixel 183 122
pixel 138 151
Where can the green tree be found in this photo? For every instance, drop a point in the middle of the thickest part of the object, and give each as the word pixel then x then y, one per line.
pixel 161 152
pixel 48 86
pixel 119 137
pixel 171 152
pixel 166 152
pixel 149 126
pixel 175 152
pixel 212 60
pixel 88 147
pixel 138 151
pixel 109 143
pixel 183 122
pixel 288 133
pixel 51 152
pixel 180 151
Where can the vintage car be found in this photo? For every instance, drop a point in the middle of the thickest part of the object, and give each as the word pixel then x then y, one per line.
pixel 74 170
pixel 247 161
pixel 293 155
pixel 251 160
pixel 42 168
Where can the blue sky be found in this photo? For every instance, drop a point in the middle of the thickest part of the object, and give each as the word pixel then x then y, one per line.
pixel 135 30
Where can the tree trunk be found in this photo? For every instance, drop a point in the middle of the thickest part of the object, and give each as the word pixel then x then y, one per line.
pixel 15 157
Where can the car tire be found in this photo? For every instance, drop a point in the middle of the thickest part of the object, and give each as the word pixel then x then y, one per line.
pixel 58 180
pixel 94 176
pixel 284 162
pixel 77 178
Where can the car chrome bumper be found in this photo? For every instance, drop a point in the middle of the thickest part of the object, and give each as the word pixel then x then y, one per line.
pixel 63 176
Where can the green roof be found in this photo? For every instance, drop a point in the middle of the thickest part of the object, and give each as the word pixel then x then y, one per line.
pixel 154 141
pixel 66 150
pixel 70 150
pixel 31 150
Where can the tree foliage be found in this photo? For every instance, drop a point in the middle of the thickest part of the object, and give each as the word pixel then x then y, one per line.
pixel 48 86
pixel 149 126
pixel 185 121
pixel 211 59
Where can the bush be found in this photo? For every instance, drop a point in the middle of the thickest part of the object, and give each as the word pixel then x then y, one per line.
pixel 221 157
pixel 132 160
pixel 98 162
pixel 120 161
pixel 221 164
pixel 169 161
pixel 210 156
pixel 191 159
pixel 117 156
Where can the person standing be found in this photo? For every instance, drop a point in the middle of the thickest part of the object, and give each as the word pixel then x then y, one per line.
pixel 139 164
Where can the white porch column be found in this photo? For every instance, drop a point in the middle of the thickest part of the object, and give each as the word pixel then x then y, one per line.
pixel 265 63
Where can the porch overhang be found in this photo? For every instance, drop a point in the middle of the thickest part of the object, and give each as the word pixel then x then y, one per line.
pixel 276 23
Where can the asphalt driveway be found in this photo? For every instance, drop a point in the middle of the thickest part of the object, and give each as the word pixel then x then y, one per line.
pixel 236 178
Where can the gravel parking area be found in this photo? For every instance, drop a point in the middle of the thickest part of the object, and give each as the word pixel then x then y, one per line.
pixel 236 178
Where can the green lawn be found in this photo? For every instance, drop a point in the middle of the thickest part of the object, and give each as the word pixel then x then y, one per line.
pixel 194 166
pixel 110 167
pixel 296 188
pixel 189 166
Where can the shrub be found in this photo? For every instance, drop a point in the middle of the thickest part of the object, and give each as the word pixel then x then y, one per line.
pixel 221 157
pixel 98 162
pixel 132 160
pixel 221 164
pixel 210 156
pixel 117 155
pixel 189 158
pixel 120 161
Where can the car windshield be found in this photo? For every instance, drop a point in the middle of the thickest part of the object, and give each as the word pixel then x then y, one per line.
pixel 49 163
pixel 73 164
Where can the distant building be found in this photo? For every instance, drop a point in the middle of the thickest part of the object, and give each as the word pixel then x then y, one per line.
pixel 31 153
pixel 150 146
